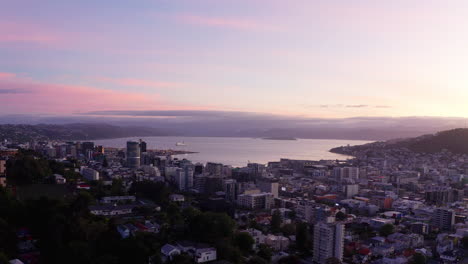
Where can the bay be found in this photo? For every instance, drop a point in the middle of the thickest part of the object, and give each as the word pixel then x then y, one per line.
pixel 239 151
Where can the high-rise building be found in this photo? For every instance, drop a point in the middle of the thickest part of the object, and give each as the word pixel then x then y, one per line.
pixel 351 190
pixel 256 169
pixel 133 154
pixel 100 149
pixel 215 169
pixel 351 173
pixel 328 242
pixel 268 187
pixel 230 189
pixel 439 195
pixel 443 218
pixel 188 174
pixel 179 179
pixel 256 201
pixel 199 168
pixel 90 174
pixel 87 146
pixel 143 146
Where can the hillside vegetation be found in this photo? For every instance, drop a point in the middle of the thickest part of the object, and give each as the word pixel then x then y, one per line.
pixel 455 141
pixel 78 131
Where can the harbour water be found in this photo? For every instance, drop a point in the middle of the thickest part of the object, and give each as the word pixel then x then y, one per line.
pixel 239 151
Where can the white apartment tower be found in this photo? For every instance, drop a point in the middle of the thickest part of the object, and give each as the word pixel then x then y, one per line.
pixel 328 241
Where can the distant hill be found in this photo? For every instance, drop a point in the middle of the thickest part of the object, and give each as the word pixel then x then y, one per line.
pixel 77 131
pixel 455 141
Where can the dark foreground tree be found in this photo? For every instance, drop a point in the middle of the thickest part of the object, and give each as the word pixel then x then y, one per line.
pixel 386 230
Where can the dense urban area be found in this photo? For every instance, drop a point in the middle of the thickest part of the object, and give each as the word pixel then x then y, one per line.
pixel 76 202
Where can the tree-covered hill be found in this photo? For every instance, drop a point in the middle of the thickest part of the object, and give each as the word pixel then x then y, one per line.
pixel 455 141
pixel 77 131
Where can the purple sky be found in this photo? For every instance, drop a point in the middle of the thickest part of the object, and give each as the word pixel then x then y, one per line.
pixel 307 58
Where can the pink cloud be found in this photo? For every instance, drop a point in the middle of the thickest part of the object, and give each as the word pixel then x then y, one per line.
pixel 233 23
pixel 20 95
pixel 27 33
pixel 139 82
pixel 6 75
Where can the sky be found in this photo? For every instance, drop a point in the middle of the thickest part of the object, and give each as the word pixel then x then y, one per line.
pixel 303 58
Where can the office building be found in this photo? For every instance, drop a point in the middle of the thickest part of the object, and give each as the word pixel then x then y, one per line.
pixel 443 218
pixel 189 170
pixel 230 189
pixel 90 174
pixel 351 190
pixel 256 201
pixel 269 187
pixel 328 242
pixel 215 169
pixel 87 146
pixel 143 146
pixel 133 154
pixel 351 173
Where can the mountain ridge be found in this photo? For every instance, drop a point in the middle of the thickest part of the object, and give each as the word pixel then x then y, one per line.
pixel 74 131
pixel 454 140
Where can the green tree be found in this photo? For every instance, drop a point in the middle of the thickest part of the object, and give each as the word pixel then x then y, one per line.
pixel 228 252
pixel 291 259
pixel 210 227
pixel 117 187
pixel 332 260
pixel 3 258
pixel 158 192
pixel 340 216
pixel 181 259
pixel 275 223
pixel 303 237
pixel 386 230
pixel 257 260
pixel 105 164
pixel 292 215
pixel 288 229
pixel 244 242
pixel 24 170
pixel 265 252
pixel 418 258
pixel 464 242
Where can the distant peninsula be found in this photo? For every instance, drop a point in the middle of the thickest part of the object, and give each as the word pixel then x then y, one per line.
pixel 454 141
pixel 279 138
pixel 77 131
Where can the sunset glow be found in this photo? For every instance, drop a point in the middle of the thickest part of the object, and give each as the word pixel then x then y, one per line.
pixel 327 59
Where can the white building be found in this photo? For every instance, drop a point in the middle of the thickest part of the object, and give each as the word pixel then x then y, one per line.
pixel 203 255
pixel 59 179
pixel 351 173
pixel 328 241
pixel 90 174
pixel 443 218
pixel 351 190
pixel 269 187
pixel 151 170
pixel 169 251
pixel 117 199
pixel 176 198
pixel 255 201
pixel 257 235
pixel 278 243
pixel 111 210
pixel 377 223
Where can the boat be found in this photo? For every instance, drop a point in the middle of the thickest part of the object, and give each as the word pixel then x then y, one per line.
pixel 180 144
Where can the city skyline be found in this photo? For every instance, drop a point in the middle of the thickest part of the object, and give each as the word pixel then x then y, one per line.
pixel 314 59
